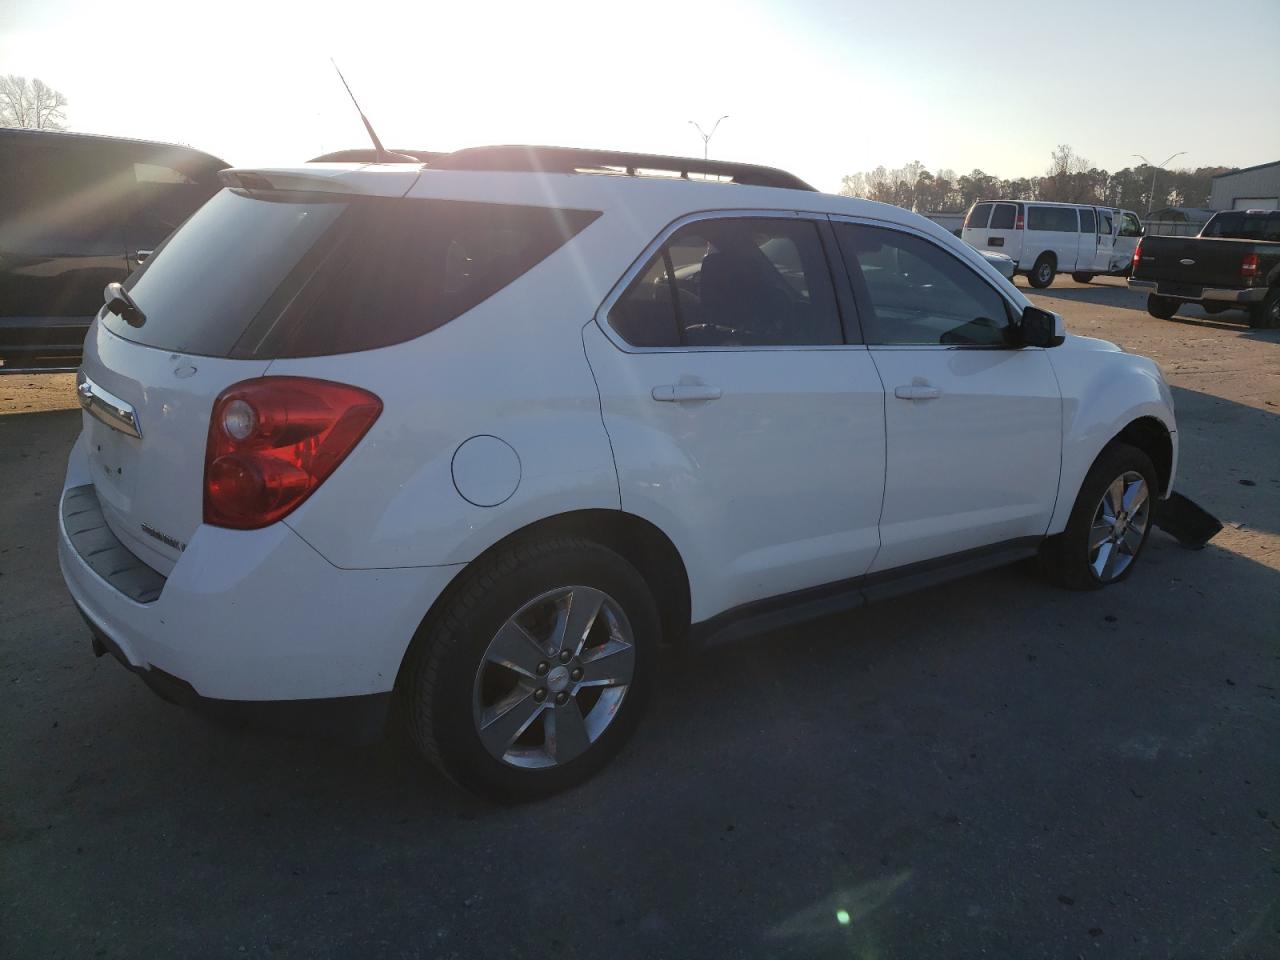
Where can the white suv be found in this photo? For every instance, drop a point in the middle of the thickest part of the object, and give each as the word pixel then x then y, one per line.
pixel 482 435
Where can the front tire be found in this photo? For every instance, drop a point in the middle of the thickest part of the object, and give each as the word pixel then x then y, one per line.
pixel 1162 308
pixel 1266 315
pixel 1109 523
pixel 1043 272
pixel 535 671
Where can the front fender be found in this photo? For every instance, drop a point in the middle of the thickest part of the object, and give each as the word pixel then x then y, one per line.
pixel 1103 391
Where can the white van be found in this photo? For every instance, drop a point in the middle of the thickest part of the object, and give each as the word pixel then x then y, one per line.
pixel 1047 238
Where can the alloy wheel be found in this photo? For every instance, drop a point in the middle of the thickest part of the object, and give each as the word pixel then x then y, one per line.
pixel 553 678
pixel 1119 526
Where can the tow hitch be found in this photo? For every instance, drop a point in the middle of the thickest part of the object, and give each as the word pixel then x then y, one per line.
pixel 1187 522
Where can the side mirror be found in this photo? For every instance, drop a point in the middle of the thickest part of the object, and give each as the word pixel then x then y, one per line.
pixel 1040 328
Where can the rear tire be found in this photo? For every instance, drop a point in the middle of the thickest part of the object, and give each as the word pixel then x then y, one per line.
pixel 1072 558
pixel 1043 272
pixel 1162 308
pixel 1266 315
pixel 1082 277
pixel 460 682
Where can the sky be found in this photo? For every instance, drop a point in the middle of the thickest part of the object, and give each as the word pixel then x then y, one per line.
pixel 819 87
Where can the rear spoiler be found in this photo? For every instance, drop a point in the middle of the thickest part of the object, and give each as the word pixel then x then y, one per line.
pixel 382 181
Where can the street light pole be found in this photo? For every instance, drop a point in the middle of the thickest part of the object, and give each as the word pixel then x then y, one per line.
pixel 706 137
pixel 1151 199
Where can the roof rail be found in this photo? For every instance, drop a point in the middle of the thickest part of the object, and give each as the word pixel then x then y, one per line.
pixel 573 160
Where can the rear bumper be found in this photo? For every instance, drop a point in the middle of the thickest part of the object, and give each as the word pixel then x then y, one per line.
pixel 353 719
pixel 1217 294
pixel 253 616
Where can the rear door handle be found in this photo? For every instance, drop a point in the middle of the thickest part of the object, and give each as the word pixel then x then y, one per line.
pixel 917 391
pixel 685 392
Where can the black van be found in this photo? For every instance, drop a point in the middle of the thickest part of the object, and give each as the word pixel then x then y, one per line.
pixel 77 212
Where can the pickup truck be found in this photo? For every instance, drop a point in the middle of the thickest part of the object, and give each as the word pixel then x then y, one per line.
pixel 1234 262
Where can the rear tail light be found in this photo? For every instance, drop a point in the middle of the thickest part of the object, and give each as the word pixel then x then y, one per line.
pixel 1017 224
pixel 273 441
pixel 1249 266
pixel 1137 255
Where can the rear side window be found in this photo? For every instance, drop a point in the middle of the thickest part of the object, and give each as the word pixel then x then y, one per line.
pixel 1003 217
pixel 1088 223
pixel 166 196
pixel 978 217
pixel 1056 219
pixel 63 197
pixel 1238 225
pixel 733 283
pixel 294 275
pixel 1105 224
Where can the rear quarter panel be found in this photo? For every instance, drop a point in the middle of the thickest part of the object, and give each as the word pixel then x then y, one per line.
pixel 512 368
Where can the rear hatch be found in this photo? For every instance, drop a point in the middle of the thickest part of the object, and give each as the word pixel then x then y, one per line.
pixel 995 228
pixel 1189 264
pixel 214 296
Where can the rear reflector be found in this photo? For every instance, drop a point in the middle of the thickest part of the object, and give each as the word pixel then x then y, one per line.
pixel 273 441
pixel 1249 266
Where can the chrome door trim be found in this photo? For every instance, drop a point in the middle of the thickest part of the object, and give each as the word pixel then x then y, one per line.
pixel 107 407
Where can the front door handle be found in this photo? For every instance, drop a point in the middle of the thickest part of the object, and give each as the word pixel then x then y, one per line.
pixel 685 392
pixel 917 391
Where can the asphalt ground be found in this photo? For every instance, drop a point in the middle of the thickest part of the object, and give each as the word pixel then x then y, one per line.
pixel 992 767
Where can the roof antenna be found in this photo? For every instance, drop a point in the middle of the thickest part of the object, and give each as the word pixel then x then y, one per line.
pixel 380 153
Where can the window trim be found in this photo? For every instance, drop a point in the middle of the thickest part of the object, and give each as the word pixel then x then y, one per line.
pixel 867 311
pixel 846 304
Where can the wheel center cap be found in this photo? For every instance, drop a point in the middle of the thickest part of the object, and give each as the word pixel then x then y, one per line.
pixel 558 679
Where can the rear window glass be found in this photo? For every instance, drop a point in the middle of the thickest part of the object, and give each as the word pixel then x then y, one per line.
pixel 1238 225
pixel 978 217
pixel 1003 216
pixel 289 275
pixel 1059 219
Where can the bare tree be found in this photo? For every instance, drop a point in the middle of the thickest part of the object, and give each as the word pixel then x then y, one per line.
pixel 33 105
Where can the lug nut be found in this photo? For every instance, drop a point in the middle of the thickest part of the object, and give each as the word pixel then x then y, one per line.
pixel 543 668
pixel 540 694
pixel 562 698
pixel 565 656
pixel 575 674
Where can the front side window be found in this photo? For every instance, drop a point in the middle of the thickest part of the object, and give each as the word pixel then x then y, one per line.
pixel 1129 225
pixel 919 293
pixel 1087 222
pixel 1055 219
pixel 733 283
